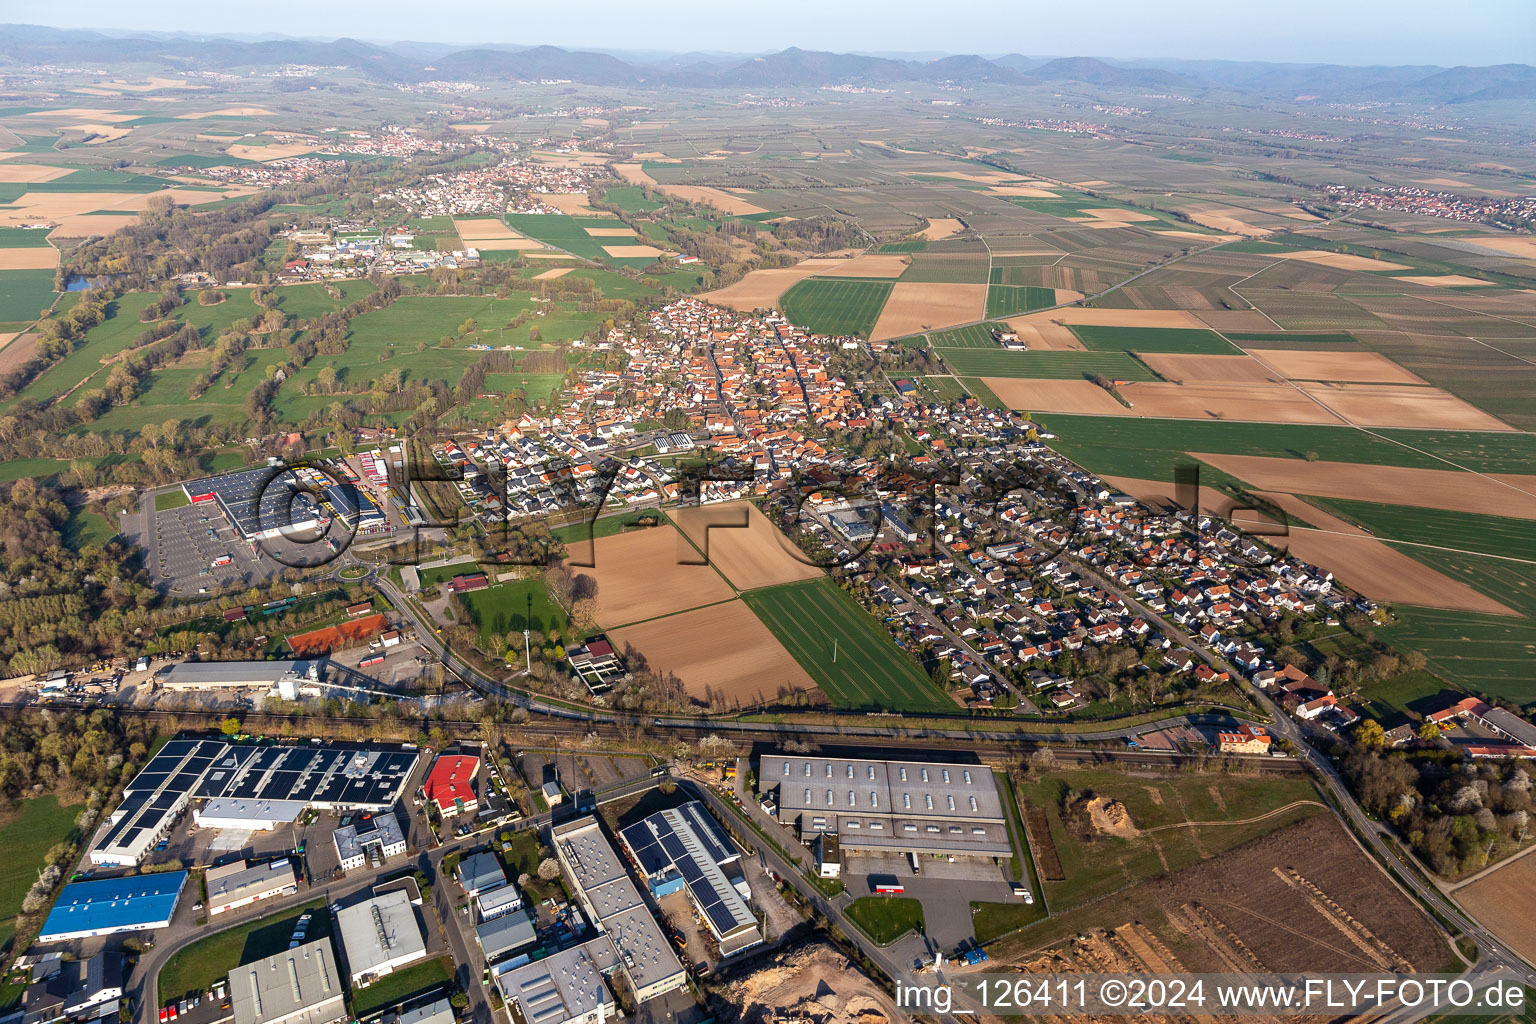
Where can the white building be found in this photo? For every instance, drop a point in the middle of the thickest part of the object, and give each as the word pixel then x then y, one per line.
pixel 240 883
pixel 494 903
pixel 378 837
pixel 566 988
pixel 379 936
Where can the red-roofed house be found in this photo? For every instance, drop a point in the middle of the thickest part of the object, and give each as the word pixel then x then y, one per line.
pixel 451 784
pixel 1246 739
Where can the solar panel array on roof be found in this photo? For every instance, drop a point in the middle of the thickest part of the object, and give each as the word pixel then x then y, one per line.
pixel 259 500
pixel 365 778
pixel 677 840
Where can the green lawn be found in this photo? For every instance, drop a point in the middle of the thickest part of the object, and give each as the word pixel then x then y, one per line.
pixel 631 199
pixel 402 984
pixel 87 528
pixel 171 500
pixel 525 604
pixel 1420 692
pixel 1104 863
pixel 443 573
pixel 886 918
pixel 198 966
pixel 310 300
pixel 1489 654
pixel 816 621
pixel 836 306
pixel 25 837
pixel 605 526
pixel 1011 300
pixel 1153 339
pixel 997 362
pixel 536 387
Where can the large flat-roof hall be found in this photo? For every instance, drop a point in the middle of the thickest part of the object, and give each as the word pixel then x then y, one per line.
pixel 889 806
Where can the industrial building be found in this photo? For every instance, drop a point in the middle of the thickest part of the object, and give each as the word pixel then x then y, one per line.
pixel 683 848
pixel 108 906
pixel 892 807
pixel 379 936
pixel 377 837
pixel 566 988
pixel 439 1011
pixel 239 883
pixel 299 986
pixel 450 786
pixel 262 676
pixel 612 903
pixel 249 787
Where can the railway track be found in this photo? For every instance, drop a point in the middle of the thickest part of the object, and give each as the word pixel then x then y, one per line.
pixel 994 748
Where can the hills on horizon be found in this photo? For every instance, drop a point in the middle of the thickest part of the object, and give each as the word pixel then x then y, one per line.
pixel 786 69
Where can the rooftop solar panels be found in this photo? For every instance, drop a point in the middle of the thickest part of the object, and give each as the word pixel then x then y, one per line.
pixel 686 841
pixel 259 500
pixel 362 778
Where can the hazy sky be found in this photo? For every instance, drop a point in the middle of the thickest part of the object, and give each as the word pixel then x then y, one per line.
pixel 1446 32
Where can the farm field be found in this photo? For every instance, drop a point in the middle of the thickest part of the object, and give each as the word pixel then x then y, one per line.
pixel 1311 364
pixel 1283 901
pixel 1030 395
pixel 1481 653
pixel 1392 405
pixel 739 541
pixel 24 294
pixel 1155 842
pixel 916 307
pixel 982 336
pixel 998 362
pixel 1180 367
pixel 1504 901
pixel 1153 339
pixel 763 288
pixel 836 306
pixel 604 526
pixel 509 607
pixel 1466 531
pixel 1005 300
pixel 562 231
pixel 870 671
pixel 645 574
pixel 1385 573
pixel 722 653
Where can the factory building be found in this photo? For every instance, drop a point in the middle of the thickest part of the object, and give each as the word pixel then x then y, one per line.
pixel 567 988
pixel 262 676
pixel 110 906
pixel 891 807
pixel 249 787
pixel 240 883
pixel 379 936
pixel 612 903
pixel 684 849
pixel 298 986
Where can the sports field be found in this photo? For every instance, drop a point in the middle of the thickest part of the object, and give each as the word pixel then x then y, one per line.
pixel 1153 339
pixel 525 604
pixel 1011 300
pixel 818 622
pixel 1045 365
pixel 836 306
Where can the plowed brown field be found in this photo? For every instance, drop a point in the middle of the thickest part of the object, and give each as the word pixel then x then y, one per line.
pixel 645 573
pixel 757 555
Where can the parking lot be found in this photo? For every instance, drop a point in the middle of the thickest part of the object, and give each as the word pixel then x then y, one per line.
pixel 945 888
pixel 188 540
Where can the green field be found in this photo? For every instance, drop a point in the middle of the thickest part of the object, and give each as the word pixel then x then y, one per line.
pixel 969 336
pixel 171 500
pixel 1150 449
pixel 310 300
pixel 1420 692
pixel 443 573
pixel 1011 300
pixel 1488 654
pixel 1103 863
pixel 569 233
pixel 1045 365
pixel 914 245
pixel 631 199
pixel 196 967
pixel 886 918
pixel 1465 531
pixel 417 979
pixel 25 294
pixel 87 528
pixel 816 621
pixel 524 604
pixel 1272 340
pixel 836 306
pixel 1153 339
pixel 36 825
pixel 23 238
pixel 978 387
pixel 948 268
pixel 536 387
pixel 605 526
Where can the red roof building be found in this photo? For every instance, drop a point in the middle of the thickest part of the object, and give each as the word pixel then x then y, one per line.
pixel 450 784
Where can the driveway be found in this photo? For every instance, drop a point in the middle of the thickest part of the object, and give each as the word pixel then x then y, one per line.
pixel 946 890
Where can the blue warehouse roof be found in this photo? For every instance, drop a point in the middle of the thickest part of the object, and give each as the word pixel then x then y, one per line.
pixel 123 904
